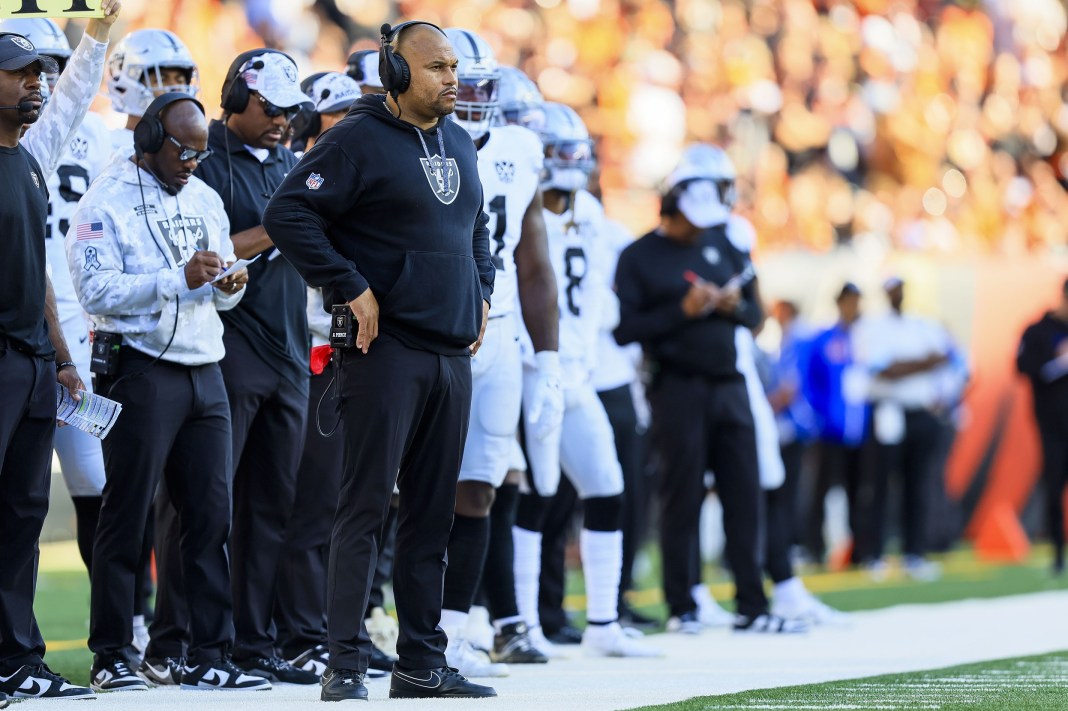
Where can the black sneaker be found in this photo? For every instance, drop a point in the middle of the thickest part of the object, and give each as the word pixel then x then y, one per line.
pixel 513 646
pixel 3 700
pixel 30 682
pixel 313 660
pixel 343 685
pixel 568 634
pixel 162 672
pixel 115 674
pixel 629 617
pixel 769 624
pixel 278 670
pixel 221 674
pixel 380 661
pixel 443 682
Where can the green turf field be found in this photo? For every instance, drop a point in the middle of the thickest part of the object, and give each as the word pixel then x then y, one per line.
pixel 1037 683
pixel 62 602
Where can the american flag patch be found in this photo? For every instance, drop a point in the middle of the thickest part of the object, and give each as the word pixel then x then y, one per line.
pixel 90 230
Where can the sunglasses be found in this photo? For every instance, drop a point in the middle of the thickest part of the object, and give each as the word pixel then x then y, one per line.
pixel 186 153
pixel 273 111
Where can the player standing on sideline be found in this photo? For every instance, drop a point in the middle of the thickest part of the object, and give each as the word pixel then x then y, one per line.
pixel 396 230
pixel 583 445
pixel 266 364
pixel 31 339
pixel 509 166
pixel 145 64
pixel 1043 357
pixel 84 154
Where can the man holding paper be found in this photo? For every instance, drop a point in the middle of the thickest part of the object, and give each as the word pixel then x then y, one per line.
pixel 145 244
pixel 31 343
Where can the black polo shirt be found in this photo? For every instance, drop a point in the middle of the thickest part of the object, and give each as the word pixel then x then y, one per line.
pixel 272 315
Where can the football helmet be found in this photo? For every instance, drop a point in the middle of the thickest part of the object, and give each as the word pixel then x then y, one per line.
pixel 363 67
pixel 712 162
pixel 49 40
pixel 519 99
pixel 135 70
pixel 568 148
pixel 479 78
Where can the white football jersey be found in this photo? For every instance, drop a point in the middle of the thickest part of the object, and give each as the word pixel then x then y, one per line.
pixel 581 260
pixel 83 159
pixel 509 165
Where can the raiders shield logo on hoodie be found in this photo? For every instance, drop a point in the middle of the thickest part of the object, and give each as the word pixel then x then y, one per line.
pixel 443 176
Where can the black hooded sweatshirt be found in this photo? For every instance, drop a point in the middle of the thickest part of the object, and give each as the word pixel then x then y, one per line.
pixel 370 206
pixel 1037 359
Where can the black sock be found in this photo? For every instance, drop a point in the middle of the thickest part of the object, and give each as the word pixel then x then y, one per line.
pixel 87 512
pixel 498 583
pixel 467 555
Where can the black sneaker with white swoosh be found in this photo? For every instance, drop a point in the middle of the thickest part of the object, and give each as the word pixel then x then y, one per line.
pixel 443 682
pixel 39 681
pixel 221 674
pixel 343 685
pixel 115 674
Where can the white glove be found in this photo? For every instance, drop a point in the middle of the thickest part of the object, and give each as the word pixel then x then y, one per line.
pixel 546 411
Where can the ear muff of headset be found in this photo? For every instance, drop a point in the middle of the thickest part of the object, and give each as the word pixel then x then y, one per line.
pixel 149 133
pixel 306 124
pixel 393 69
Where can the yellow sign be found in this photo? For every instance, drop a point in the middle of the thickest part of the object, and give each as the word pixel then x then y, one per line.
pixel 50 8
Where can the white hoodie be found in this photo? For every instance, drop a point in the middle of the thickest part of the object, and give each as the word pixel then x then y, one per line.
pixel 127 249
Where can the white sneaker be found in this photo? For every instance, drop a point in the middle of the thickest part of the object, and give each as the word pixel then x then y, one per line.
pixel 810 608
pixel 470 662
pixel 540 643
pixel 479 632
pixel 686 623
pixel 383 630
pixel 878 570
pixel 709 613
pixel 611 641
pixel 921 569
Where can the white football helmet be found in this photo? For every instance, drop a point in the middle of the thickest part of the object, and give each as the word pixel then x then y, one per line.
pixel 713 163
pixel 479 78
pixel 49 40
pixel 568 148
pixel 134 72
pixel 519 100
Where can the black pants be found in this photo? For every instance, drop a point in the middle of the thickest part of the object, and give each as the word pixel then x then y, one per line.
pixel 781 507
pixel 619 405
pixel 699 425
pixel 844 465
pixel 406 415
pixel 300 611
pixel 268 414
pixel 175 422
pixel 913 460
pixel 27 425
pixel 169 631
pixel 552 583
pixel 1054 436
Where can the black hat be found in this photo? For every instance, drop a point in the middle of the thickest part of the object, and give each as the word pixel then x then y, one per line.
pixel 848 289
pixel 16 52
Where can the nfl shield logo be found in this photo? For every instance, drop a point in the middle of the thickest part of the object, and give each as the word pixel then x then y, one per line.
pixel 315 181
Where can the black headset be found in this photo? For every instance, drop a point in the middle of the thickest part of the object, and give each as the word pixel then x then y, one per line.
pixel 149 133
pixel 235 91
pixel 393 70
pixel 308 123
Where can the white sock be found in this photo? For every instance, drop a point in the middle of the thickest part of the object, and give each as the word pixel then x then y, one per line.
pixel 499 625
pixel 602 564
pixel 454 623
pixel 789 591
pixel 138 621
pixel 701 595
pixel 527 546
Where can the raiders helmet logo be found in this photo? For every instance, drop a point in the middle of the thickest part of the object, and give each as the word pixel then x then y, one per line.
pixel 22 42
pixel 711 255
pixel 443 176
pixel 79 148
pixel 505 170
pixel 315 181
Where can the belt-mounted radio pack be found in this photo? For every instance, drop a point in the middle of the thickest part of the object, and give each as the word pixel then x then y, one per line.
pixel 105 353
pixel 342 334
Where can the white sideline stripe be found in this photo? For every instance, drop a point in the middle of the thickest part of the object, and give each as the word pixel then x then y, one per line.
pixel 899 639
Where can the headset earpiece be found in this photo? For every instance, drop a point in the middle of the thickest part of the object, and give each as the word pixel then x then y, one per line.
pixel 149 133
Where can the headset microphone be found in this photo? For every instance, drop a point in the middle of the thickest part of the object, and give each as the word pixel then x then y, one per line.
pixel 23 107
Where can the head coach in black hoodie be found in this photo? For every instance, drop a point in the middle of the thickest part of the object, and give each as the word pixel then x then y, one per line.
pixel 385 213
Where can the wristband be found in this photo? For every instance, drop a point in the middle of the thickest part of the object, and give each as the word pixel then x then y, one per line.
pixel 64 364
pixel 548 363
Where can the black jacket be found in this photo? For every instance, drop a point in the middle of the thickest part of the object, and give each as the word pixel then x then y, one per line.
pixel 273 314
pixel 365 208
pixel 1037 359
pixel 651 280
